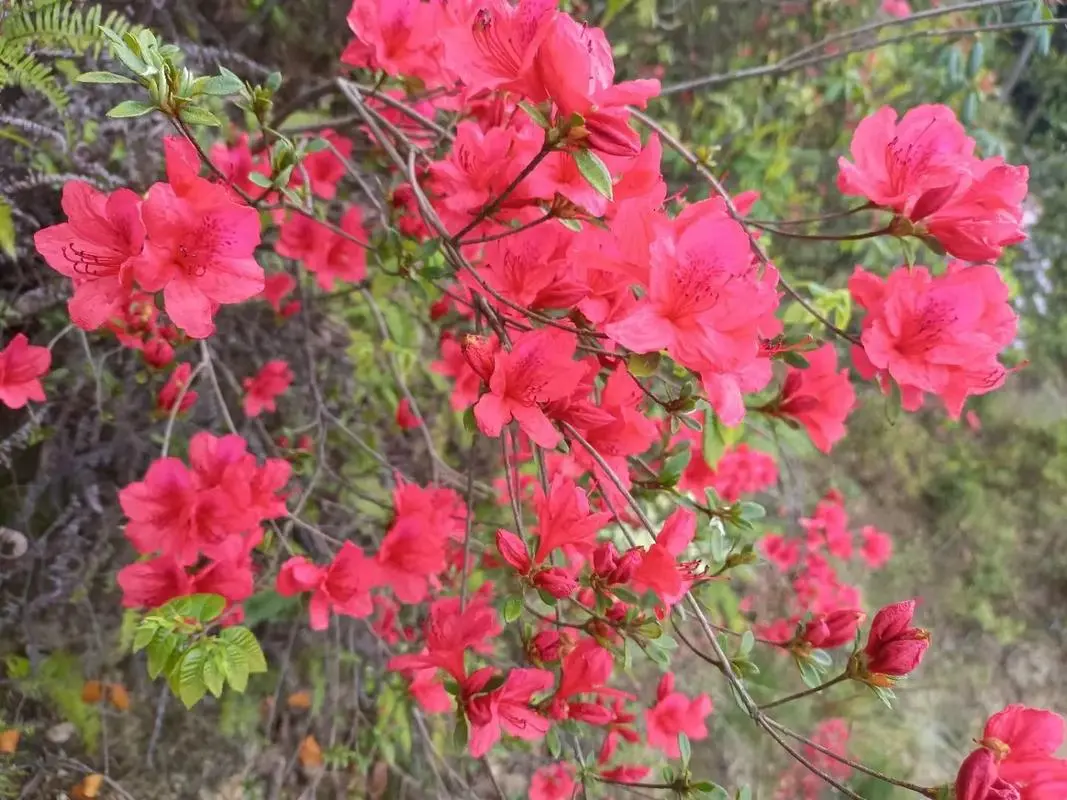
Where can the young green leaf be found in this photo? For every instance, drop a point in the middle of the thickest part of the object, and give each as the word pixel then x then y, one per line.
pixel 594 171
pixel 213 673
pixel 103 77
pixel 195 115
pixel 245 640
pixel 131 108
pixel 235 666
pixel 191 686
pixel 221 85
pixel 512 609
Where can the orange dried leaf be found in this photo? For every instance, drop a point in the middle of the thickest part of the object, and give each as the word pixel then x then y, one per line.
pixel 92 691
pixel 89 787
pixel 9 741
pixel 118 696
pixel 299 701
pixel 310 754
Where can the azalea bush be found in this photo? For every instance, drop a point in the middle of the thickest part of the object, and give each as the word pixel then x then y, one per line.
pixel 584 547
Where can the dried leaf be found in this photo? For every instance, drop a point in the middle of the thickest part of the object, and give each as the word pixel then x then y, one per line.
pixel 299 701
pixel 88 787
pixel 118 696
pixel 92 692
pixel 310 754
pixel 9 741
pixel 379 780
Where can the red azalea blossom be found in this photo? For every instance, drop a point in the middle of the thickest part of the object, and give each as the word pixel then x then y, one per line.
pixel 342 587
pixel 96 248
pixel 553 782
pixel 178 380
pixel 935 334
pixel 819 397
pixel 199 249
pixel 674 713
pixel 261 391
pixel 538 369
pixel 405 417
pixel 21 367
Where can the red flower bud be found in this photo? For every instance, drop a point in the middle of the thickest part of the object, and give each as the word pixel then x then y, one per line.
pixel 627 566
pixel 479 352
pixel 590 713
pixel 556 581
pixel 894 647
pixel 611 134
pixel 513 551
pixel 978 779
pixel 835 629
pixel 605 557
pixel 547 647
pixel 158 352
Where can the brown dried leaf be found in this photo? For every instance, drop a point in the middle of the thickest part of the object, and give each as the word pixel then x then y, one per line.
pixel 379 780
pixel 89 787
pixel 299 701
pixel 92 692
pixel 310 754
pixel 9 741
pixel 118 696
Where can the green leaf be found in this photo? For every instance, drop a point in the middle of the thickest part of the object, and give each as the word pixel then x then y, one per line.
pixel 235 666
pixel 822 658
pixel 103 77
pixel 752 511
pixel 570 224
pixel 748 641
pixel 131 108
pixel 643 365
pixel 970 108
pixel 213 673
pixel 974 62
pixel 191 687
pixel 123 53
pixel 809 673
pixel 260 180
pixel 685 749
pixel 512 609
pixel 244 639
pixel 594 171
pixel 195 115
pixel 146 631
pixel 552 742
pixel 461 732
pixel 535 113
pixel 7 230
pixel 159 653
pixel 221 85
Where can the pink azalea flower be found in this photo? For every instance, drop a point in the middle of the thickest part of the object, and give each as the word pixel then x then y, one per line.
pixel 21 367
pixel 553 782
pixel 262 390
pixel 342 587
pixel 939 335
pixel 199 251
pixel 660 571
pixel 819 397
pixel 177 381
pixel 674 713
pixel 95 247
pixel 505 710
pixel 538 369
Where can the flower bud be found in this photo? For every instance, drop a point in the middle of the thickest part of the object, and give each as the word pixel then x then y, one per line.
pixel 548 647
pixel 513 551
pixel 556 581
pixel 836 629
pixel 626 568
pixel 158 352
pixel 479 352
pixel 605 557
pixel 894 648
pixel 612 135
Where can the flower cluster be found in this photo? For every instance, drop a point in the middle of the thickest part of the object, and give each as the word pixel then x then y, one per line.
pixel 200 522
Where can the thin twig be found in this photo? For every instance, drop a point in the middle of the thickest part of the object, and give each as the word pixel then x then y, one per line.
pixel 176 408
pixel 806 693
pixel 209 365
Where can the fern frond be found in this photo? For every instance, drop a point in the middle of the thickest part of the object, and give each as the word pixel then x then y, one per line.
pixel 25 70
pixel 61 24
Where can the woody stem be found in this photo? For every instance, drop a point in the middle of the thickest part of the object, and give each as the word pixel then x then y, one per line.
pixel 925 791
pixel 494 206
pixel 807 692
pixel 826 237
